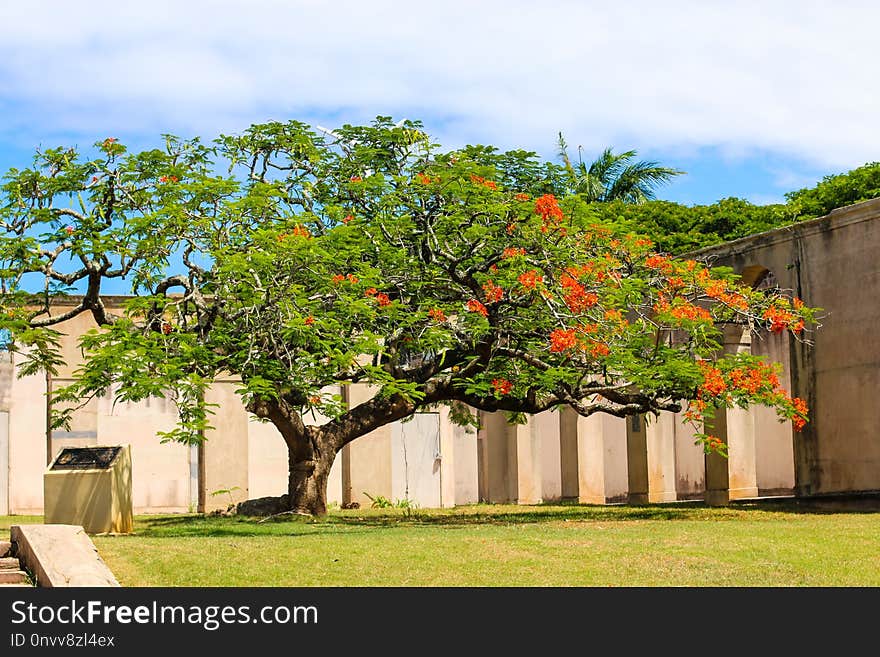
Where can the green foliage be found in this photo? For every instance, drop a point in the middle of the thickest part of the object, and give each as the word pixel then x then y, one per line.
pixel 678 228
pixel 299 262
pixel 837 191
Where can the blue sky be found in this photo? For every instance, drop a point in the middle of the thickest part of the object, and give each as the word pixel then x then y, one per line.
pixel 752 99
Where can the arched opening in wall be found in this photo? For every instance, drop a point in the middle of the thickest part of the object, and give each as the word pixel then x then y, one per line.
pixel 774 440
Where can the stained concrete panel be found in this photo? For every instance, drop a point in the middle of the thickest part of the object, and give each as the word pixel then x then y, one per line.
pixel 416 460
pixel 366 460
pixel 224 453
pixel 26 398
pixel 690 466
pixel 465 467
pixel 546 428
pixel 774 445
pixel 160 471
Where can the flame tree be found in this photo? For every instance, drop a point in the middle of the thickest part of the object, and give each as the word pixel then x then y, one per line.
pixel 299 261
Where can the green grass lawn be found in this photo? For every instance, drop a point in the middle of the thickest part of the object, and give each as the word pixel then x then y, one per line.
pixel 488 545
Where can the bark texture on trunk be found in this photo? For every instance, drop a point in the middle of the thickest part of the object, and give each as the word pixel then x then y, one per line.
pixel 308 470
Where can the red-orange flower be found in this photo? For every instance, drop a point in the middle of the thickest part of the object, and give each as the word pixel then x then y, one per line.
pixel 614 315
pixel 475 306
pixel 714 443
pixel 383 299
pixel 779 319
pixel 337 279
pixel 352 278
pixel 547 207
pixel 301 231
pixel 502 386
pixel 370 292
pixel 482 181
pixel 437 314
pixel 576 296
pixel 356 179
pixel 598 349
pixel 801 407
pixel 563 340
pixel 493 292
pixel 530 279
pixel 659 262
pixel 521 197
pixel 713 381
pixel 512 252
pixel 309 320
pixel 347 219
pixel 689 311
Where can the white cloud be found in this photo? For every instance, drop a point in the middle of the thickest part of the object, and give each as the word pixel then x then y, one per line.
pixel 793 78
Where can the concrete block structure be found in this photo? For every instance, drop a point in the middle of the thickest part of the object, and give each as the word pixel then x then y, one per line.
pixel 829 262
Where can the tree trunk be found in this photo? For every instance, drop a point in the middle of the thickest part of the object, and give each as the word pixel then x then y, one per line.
pixel 308 471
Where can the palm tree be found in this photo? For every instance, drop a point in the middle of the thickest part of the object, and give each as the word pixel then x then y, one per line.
pixel 615 177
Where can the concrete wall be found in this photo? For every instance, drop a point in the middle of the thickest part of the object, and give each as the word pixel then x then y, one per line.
pixel 366 462
pixel 832 263
pixel 223 456
pixel 4 462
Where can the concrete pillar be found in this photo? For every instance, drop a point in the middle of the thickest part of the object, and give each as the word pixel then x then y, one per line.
pixel 660 444
pixel 366 461
pixel 593 454
pixel 637 460
pixel 569 457
pixel 528 462
pixel 736 427
pixel 717 466
pixel 459 478
pixel 546 428
pixel 512 460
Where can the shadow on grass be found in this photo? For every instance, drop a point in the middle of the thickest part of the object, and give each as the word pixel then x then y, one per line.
pixel 363 520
